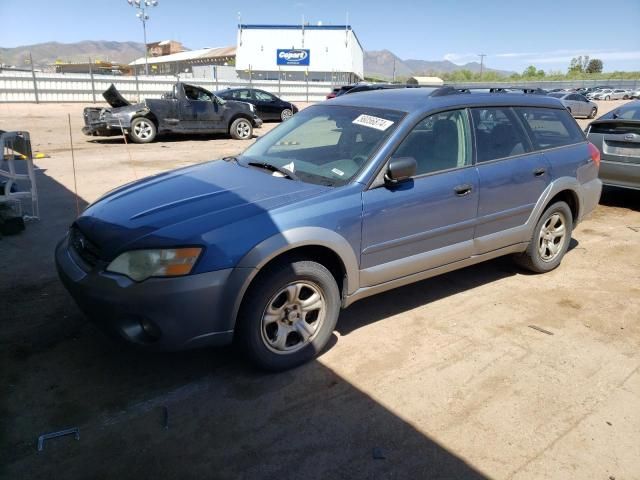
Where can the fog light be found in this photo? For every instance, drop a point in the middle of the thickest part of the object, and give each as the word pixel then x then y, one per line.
pixel 150 329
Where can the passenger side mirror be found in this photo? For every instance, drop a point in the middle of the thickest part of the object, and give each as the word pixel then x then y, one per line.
pixel 400 170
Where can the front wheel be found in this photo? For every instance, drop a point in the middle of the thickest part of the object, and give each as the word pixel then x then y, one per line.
pixel 142 130
pixel 607 98
pixel 288 315
pixel 550 240
pixel 594 112
pixel 241 129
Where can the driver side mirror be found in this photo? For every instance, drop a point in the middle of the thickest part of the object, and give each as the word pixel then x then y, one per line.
pixel 400 169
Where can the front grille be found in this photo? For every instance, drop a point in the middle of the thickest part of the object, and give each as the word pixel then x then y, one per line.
pixel 83 247
pixel 91 115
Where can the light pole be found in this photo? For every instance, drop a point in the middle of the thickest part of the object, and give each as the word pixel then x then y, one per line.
pixel 141 6
pixel 481 55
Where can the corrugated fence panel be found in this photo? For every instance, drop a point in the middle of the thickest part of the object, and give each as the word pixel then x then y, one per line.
pixel 57 87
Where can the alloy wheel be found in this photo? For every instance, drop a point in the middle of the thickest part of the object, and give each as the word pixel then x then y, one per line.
pixel 293 317
pixel 143 130
pixel 552 237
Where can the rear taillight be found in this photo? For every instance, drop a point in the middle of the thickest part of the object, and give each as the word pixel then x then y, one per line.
pixel 595 154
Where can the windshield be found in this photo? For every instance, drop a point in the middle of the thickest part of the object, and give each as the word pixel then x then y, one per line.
pixel 325 144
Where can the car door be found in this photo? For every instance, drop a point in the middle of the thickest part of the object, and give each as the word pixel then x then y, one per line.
pixel 512 177
pixel 199 110
pixel 427 221
pixel 574 104
pixel 267 104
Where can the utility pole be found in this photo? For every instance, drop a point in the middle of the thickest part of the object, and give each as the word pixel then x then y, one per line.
pixel 141 6
pixel 481 55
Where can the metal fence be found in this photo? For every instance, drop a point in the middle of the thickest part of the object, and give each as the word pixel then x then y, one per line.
pixel 550 85
pixel 83 87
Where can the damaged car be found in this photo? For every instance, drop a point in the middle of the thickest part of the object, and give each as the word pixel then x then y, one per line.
pixel 186 109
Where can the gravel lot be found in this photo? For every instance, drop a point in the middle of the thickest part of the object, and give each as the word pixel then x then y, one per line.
pixel 444 378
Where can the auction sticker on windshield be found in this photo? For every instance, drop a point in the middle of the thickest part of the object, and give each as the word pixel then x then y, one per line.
pixel 373 122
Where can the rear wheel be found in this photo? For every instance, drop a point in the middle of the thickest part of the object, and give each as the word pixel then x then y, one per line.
pixel 286 114
pixel 288 315
pixel 241 129
pixel 607 97
pixel 550 240
pixel 142 130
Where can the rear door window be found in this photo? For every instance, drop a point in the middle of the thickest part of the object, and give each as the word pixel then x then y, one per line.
pixel 549 127
pixel 498 134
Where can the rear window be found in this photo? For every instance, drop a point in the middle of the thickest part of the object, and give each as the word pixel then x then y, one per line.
pixel 617 128
pixel 549 127
pixel 498 134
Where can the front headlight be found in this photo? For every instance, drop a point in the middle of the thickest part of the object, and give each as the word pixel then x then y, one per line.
pixel 139 265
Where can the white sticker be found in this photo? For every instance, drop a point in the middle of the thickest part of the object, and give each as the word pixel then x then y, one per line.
pixel 337 172
pixel 290 166
pixel 373 122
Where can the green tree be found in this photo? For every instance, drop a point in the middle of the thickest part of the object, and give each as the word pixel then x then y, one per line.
pixel 594 66
pixel 579 64
pixel 530 72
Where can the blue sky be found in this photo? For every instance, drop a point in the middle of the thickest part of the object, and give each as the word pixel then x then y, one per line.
pixel 513 34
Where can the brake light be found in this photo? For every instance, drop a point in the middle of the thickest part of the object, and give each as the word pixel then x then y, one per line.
pixel 595 154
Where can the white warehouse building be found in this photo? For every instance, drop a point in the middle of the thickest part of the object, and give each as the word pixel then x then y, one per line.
pixel 320 53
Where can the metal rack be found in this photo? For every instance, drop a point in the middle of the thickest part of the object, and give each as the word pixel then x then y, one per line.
pixel 15 148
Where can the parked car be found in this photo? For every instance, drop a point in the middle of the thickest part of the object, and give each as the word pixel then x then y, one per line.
pixel 268 106
pixel 635 93
pixel 186 109
pixel 348 199
pixel 336 92
pixel 577 104
pixel 617 136
pixel 612 94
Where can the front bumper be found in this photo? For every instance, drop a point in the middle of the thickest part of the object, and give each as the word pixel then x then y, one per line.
pixel 102 129
pixel 257 122
pixel 159 313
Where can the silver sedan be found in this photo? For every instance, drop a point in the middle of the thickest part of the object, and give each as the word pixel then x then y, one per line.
pixel 577 104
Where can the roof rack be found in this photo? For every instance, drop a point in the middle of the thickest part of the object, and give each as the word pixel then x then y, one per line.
pixel 450 90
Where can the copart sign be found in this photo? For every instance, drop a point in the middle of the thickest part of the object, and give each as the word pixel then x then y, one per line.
pixel 293 57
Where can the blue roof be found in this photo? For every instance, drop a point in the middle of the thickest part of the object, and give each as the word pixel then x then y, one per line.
pixel 413 100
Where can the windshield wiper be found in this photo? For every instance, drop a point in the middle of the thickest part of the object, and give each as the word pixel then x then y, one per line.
pixel 274 168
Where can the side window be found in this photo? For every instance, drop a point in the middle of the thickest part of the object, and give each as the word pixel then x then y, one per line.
pixel 242 95
pixel 631 114
pixel 439 142
pixel 263 96
pixel 550 127
pixel 498 134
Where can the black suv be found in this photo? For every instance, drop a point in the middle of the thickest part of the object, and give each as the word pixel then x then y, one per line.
pixel 268 106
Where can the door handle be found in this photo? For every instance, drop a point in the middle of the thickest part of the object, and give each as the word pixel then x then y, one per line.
pixel 462 190
pixel 538 172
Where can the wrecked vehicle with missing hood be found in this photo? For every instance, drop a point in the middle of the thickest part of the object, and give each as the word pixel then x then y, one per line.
pixel 186 109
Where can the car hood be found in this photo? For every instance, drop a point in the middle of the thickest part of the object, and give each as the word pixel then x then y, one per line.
pixel 114 98
pixel 191 201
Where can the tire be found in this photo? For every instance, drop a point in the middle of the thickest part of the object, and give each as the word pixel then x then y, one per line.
pixel 142 130
pixel 626 97
pixel 241 129
pixel 540 256
pixel 594 112
pixel 286 114
pixel 273 323
pixel 607 98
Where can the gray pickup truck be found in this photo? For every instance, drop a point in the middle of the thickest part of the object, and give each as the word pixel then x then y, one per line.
pixel 186 109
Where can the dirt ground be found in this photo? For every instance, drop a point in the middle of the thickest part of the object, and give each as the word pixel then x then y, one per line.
pixel 443 379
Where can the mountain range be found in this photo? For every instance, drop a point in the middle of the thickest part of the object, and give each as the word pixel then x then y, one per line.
pixel 379 64
pixel 47 53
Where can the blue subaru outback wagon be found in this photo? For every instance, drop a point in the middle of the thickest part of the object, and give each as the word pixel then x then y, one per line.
pixel 349 198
